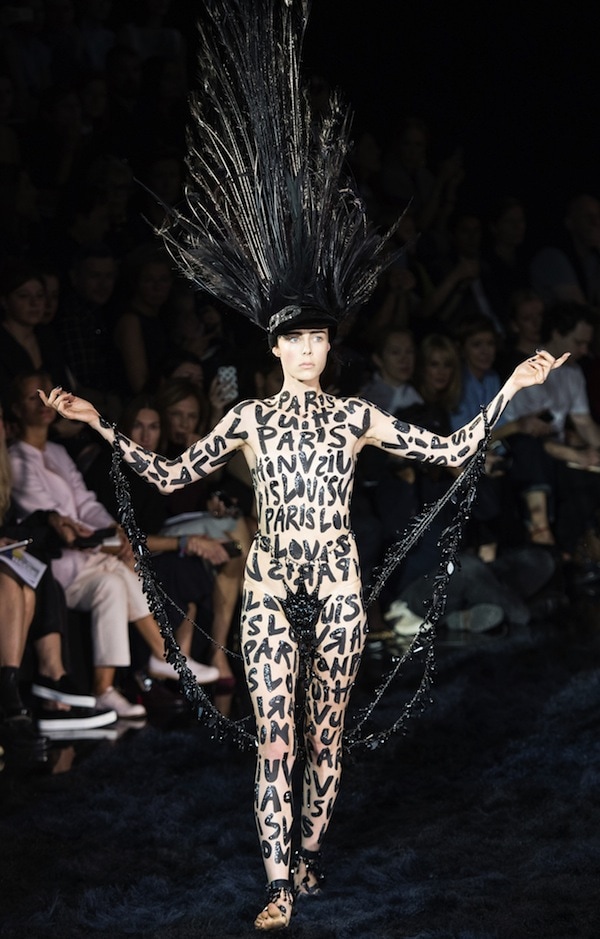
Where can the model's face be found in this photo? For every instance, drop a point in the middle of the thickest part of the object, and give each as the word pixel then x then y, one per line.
pixel 303 354
pixel 27 304
pixel 30 409
pixel 145 430
pixel 439 371
pixel 182 419
pixel 396 363
pixel 479 352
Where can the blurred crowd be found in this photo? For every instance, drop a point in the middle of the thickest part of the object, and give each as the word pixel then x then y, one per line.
pixel 93 111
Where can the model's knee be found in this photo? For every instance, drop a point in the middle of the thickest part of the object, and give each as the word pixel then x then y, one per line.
pixel 324 747
pixel 279 750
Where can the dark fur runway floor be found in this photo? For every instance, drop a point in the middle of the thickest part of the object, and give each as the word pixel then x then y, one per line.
pixel 482 823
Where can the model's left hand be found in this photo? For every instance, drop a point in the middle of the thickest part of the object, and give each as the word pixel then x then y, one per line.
pixel 535 369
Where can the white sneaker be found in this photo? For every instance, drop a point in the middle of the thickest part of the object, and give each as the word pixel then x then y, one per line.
pixel 113 699
pixel 402 620
pixel 204 674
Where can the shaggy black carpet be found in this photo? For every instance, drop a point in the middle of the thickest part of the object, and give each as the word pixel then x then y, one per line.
pixel 482 823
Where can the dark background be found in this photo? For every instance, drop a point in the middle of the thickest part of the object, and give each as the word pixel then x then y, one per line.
pixel 516 85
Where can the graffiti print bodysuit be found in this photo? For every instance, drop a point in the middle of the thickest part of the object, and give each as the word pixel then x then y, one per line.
pixel 302 611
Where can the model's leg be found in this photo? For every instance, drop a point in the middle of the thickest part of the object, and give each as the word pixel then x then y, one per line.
pixel 342 632
pixel 271 665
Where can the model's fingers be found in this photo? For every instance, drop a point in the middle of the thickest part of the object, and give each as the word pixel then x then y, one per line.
pixel 561 361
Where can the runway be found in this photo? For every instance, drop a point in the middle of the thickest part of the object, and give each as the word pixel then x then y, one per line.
pixel 483 822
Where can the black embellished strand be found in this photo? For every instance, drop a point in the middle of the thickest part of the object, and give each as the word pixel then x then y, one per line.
pixel 204 709
pixel 423 642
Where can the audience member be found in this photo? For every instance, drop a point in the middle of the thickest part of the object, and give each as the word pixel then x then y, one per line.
pixel 506 270
pixel 391 386
pixel 84 328
pixel 459 292
pixel 24 343
pixel 571 271
pixel 406 178
pixel 525 317
pixel 101 581
pixel 140 335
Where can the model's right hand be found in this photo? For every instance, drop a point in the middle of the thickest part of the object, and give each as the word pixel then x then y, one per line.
pixel 70 406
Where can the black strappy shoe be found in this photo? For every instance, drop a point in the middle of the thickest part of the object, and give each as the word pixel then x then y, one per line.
pixel 307 873
pixel 281 897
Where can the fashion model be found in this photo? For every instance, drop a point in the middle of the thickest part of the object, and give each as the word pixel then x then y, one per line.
pixel 302 590
pixel 273 227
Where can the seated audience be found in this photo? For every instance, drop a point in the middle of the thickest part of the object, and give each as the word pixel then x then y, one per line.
pixel 37 613
pixel 195 568
pixel 44 477
pixel 563 403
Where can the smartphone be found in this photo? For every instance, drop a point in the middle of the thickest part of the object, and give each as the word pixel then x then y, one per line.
pixel 228 379
pixel 94 540
pixel 233 548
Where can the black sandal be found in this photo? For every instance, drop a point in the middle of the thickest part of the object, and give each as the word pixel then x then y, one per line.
pixel 309 884
pixel 284 905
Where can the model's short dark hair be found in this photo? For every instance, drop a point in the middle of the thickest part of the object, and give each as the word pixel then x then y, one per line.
pixel 563 317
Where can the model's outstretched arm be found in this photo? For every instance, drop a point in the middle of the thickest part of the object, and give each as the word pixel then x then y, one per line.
pixel 201 459
pixel 412 442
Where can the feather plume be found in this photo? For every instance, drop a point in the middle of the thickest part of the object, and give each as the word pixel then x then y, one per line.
pixel 270 218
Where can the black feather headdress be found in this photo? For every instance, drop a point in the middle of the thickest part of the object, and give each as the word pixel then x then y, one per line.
pixel 271 224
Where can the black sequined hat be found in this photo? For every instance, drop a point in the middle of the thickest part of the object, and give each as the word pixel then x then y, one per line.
pixel 295 317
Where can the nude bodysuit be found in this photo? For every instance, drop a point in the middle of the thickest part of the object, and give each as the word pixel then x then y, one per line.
pixel 302 601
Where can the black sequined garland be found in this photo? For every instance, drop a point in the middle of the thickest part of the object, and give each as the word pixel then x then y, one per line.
pixel 204 709
pixel 461 493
